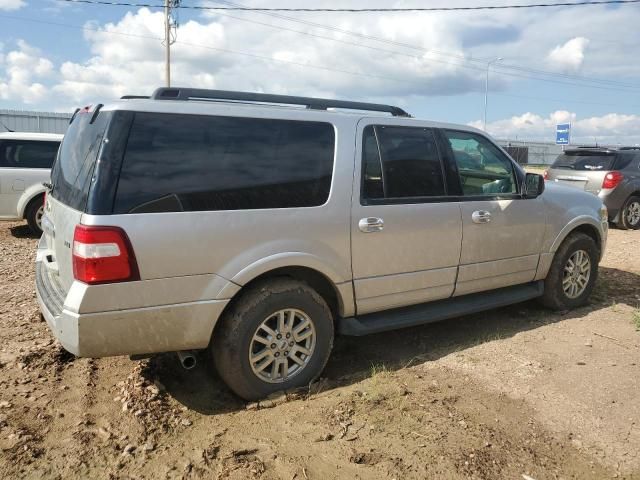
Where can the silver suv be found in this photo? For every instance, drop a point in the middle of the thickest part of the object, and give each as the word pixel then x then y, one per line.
pixel 611 173
pixel 257 229
pixel 25 163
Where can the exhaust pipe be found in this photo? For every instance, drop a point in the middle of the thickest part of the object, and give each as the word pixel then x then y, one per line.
pixel 187 359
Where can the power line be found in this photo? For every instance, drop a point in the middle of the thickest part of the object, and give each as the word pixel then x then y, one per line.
pixel 301 64
pixel 561 100
pixel 366 10
pixel 218 49
pixel 480 63
pixel 265 58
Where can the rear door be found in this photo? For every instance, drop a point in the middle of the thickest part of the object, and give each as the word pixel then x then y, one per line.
pixel 502 232
pixel 405 234
pixel 23 163
pixel 71 178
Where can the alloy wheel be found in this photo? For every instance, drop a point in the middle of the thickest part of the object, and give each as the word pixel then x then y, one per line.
pixel 576 274
pixel 282 345
pixel 633 213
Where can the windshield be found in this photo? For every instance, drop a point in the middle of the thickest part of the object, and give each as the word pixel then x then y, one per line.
pixel 72 171
pixel 583 161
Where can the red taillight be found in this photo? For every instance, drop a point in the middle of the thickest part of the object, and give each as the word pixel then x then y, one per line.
pixel 545 174
pixel 612 179
pixel 103 255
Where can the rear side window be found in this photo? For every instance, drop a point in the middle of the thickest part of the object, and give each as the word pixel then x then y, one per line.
pixel 589 161
pixel 27 153
pixel 622 161
pixel 400 162
pixel 72 172
pixel 194 163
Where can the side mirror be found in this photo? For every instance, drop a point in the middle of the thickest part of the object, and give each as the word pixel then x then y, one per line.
pixel 533 185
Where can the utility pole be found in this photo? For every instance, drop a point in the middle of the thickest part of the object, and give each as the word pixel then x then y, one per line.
pixel 170 34
pixel 486 90
pixel 167 42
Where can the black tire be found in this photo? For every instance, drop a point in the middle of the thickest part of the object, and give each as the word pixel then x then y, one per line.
pixel 31 214
pixel 624 222
pixel 232 337
pixel 554 295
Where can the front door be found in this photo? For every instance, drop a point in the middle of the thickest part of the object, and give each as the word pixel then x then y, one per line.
pixel 406 237
pixel 502 231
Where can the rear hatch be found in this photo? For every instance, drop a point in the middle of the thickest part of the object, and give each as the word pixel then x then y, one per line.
pixel 71 178
pixel 583 169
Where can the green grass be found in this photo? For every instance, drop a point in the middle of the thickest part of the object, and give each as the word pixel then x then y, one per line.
pixel 378 368
pixel 636 318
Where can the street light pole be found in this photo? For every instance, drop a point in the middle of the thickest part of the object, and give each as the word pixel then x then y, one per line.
pixel 486 89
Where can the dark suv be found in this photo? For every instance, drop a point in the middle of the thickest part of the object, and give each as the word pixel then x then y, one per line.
pixel 611 173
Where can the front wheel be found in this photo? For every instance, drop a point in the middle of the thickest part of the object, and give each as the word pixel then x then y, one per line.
pixel 573 273
pixel 630 214
pixel 277 336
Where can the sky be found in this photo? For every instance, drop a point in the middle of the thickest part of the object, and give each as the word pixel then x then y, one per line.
pixel 566 64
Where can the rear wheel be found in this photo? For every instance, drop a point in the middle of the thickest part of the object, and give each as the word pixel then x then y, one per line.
pixel 33 215
pixel 277 336
pixel 573 273
pixel 630 214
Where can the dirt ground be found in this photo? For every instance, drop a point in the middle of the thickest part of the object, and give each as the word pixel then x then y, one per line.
pixel 515 393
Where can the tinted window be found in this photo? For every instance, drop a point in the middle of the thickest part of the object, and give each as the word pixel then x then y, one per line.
pixel 482 167
pixel 622 161
pixel 27 153
pixel 593 161
pixel 72 172
pixel 193 162
pixel 401 162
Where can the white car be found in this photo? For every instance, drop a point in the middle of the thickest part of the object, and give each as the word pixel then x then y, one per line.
pixel 25 163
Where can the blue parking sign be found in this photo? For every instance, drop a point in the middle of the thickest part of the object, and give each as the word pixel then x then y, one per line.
pixel 562 133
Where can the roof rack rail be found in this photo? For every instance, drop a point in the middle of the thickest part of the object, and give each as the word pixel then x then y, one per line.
pixel 131 97
pixel 629 148
pixel 311 103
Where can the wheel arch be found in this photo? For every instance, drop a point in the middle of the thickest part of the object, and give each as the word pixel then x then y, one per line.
pixel 339 297
pixel 586 225
pixel 31 194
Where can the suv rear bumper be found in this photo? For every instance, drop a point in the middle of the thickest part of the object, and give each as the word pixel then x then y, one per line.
pixel 165 328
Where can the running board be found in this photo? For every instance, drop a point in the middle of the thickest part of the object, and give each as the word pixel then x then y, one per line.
pixel 438 310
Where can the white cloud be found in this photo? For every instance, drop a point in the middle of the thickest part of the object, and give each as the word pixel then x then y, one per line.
pixel 610 128
pixel 23 67
pixel 569 56
pixel 429 54
pixel 11 4
pixel 208 53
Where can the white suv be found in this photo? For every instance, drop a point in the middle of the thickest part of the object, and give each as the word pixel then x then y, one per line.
pixel 25 163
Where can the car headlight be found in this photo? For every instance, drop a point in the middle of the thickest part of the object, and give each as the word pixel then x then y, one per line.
pixel 604 213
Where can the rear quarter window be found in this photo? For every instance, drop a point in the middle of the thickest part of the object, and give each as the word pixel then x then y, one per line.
pixel 27 153
pixel 72 172
pixel 196 163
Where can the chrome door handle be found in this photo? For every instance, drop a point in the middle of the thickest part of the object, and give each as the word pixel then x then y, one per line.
pixel 371 224
pixel 481 216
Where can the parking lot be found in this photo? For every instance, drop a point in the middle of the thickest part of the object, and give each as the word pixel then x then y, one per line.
pixel 509 392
